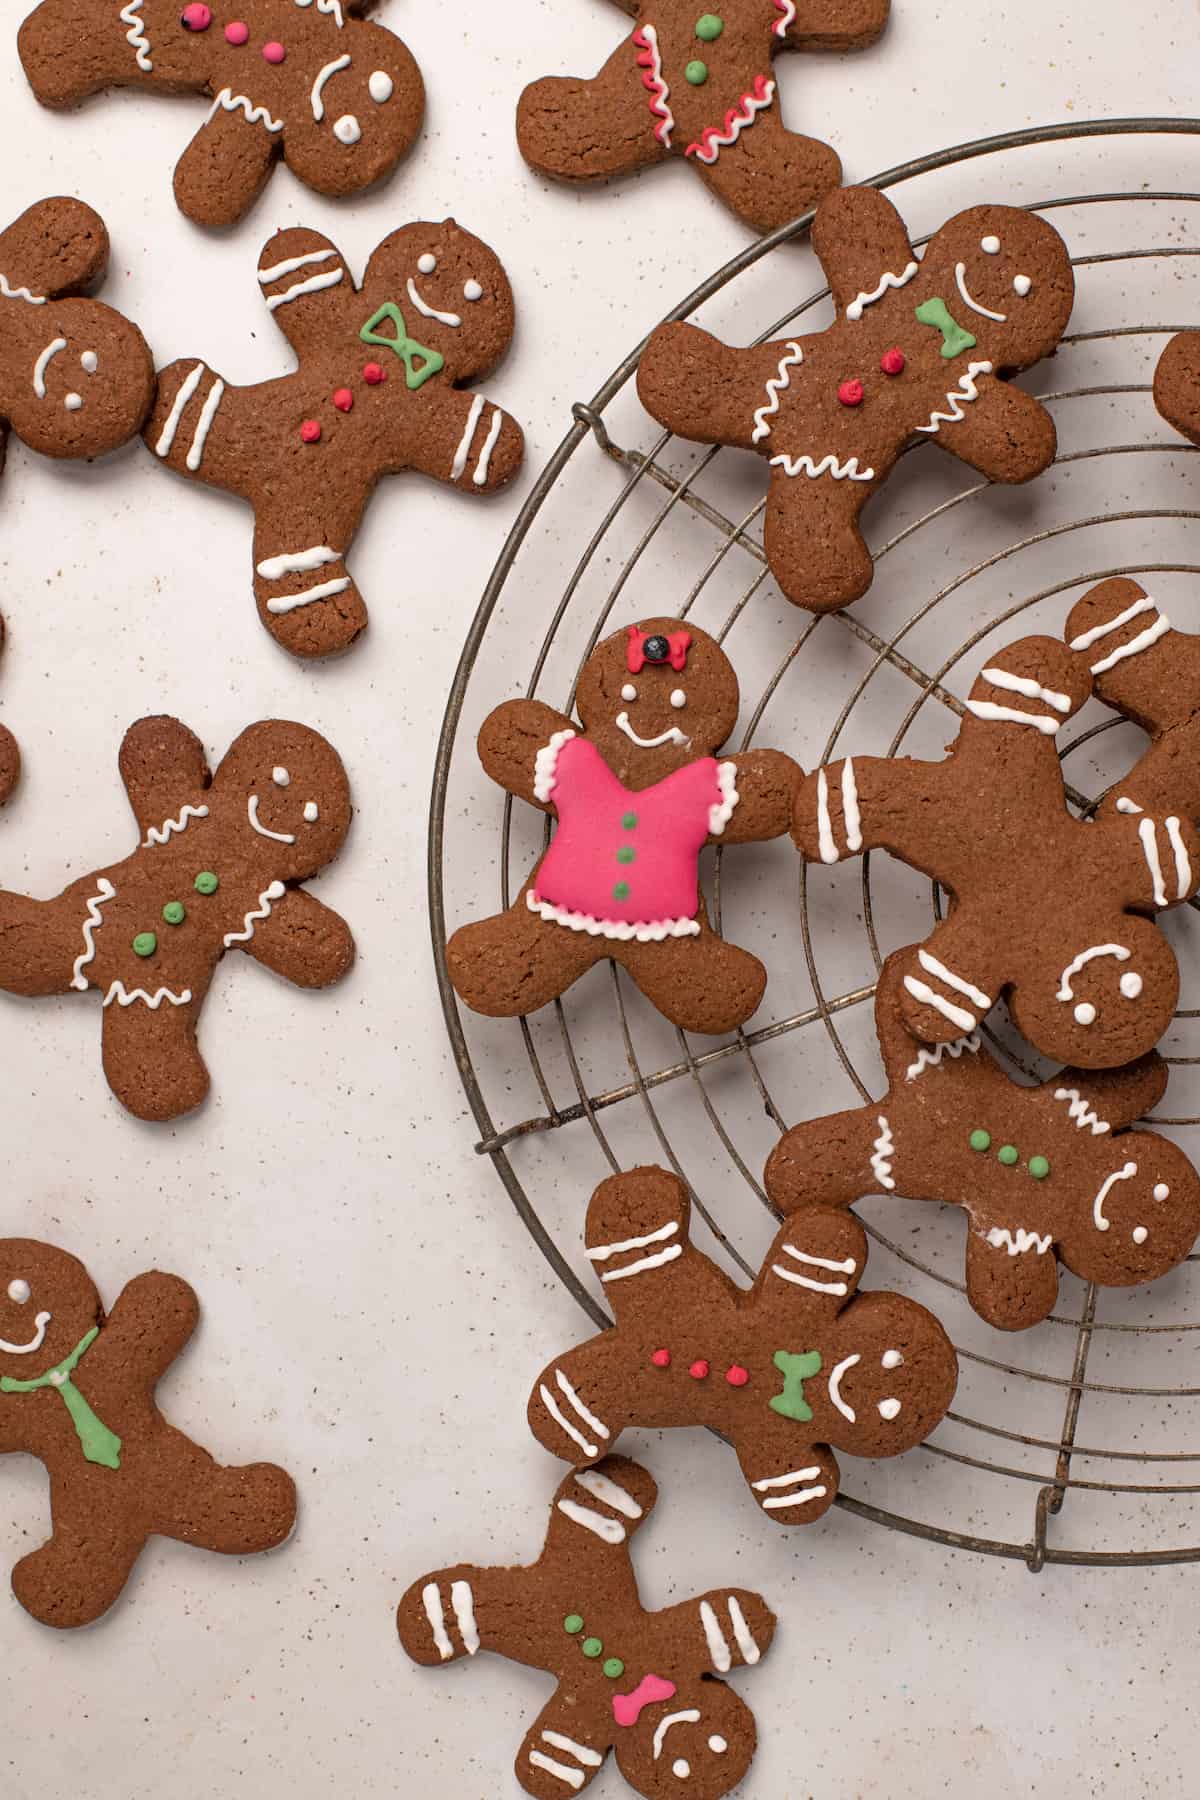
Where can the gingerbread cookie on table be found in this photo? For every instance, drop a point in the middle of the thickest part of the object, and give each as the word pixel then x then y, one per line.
pixel 919 352
pixel 218 868
pixel 339 99
pixel 76 378
pixel 698 85
pixel 1047 908
pixel 1177 384
pixel 77 1390
pixel 641 1684
pixel 795 1367
pixel 637 791
pixel 367 400
pixel 1045 1174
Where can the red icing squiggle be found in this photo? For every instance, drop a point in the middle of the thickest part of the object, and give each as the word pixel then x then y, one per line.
pixel 627 1708
pixel 649 60
pixel 714 139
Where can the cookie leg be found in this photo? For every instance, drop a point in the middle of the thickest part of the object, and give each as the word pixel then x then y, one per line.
pixel 516 962
pixel 587 130
pixel 814 546
pixel 1011 1282
pixel 226 165
pixel 40 943
pixel 827 1162
pixel 700 983
pixel 306 596
pixel 150 1055
pixel 80 1570
pixel 771 174
pixel 235 1512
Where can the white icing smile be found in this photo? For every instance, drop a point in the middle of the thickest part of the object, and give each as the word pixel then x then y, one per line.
pixel 280 837
pixel 960 274
pixel 689 1717
pixel 672 735
pixel 1125 1174
pixel 835 1387
pixel 430 312
pixel 35 1342
pixel 43 362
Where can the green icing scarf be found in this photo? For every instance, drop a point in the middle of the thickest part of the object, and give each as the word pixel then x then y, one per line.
pixel 99 1444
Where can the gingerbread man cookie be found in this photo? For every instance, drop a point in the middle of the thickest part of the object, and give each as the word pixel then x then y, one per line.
pixel 76 378
pixel 218 867
pixel 1177 384
pixel 77 1391
pixel 339 99
pixel 919 352
pixel 1041 1172
pixel 698 85
pixel 637 791
pixel 1047 908
pixel 1146 669
pixel 789 1370
pixel 641 1684
pixel 367 400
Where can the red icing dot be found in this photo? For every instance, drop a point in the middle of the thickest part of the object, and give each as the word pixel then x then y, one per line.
pixel 698 1370
pixel 373 375
pixel 850 393
pixel 661 1359
pixel 343 399
pixel 892 362
pixel 736 1376
pixel 237 33
pixel 310 431
pixel 196 17
pixel 273 52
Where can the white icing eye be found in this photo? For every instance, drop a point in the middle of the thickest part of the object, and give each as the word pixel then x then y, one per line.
pixel 312 812
pixel 73 402
pixel 1162 1191
pixel 1085 1012
pixel 281 778
pixel 990 246
pixel 427 263
pixel 90 362
pixel 347 130
pixel 891 1359
pixel 1021 285
pixel 629 692
pixel 888 1409
pixel 718 1746
pixel 682 1768
pixel 381 87
pixel 1139 1234
pixel 19 1291
pixel 1131 985
pixel 472 290
pixel 678 698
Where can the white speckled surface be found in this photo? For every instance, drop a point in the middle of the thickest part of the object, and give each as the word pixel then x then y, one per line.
pixel 373 1308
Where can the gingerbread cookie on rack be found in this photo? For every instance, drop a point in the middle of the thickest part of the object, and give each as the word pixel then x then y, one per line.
pixel 310 81
pixel 1045 1174
pixel 367 400
pixel 218 868
pixel 790 1370
pixel 1047 908
pixel 77 1390
pixel 1177 384
pixel 919 352
pixel 76 378
pixel 699 85
pixel 645 1685
pixel 637 791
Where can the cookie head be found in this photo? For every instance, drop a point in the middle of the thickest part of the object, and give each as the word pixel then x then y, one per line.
pixel 47 1305
pixel 285 794
pixel 656 696
pixel 454 295
pixel 1006 277
pixel 890 1373
pixel 698 1745
pixel 1142 1215
pixel 88 383
pixel 1097 993
pixel 360 115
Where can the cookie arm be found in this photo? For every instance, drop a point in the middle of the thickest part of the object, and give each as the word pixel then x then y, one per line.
pixel 1117 1096
pixel 859 237
pixel 711 392
pixel 578 131
pixel 872 803
pixel 825 1162
pixel 164 768
pixel 832 24
pixel 576 1408
pixel 1006 434
pixel 466 441
pixel 150 1323
pixel 226 165
pixel 509 740
pixel 304 940
pixel 730 1628
pixel 766 781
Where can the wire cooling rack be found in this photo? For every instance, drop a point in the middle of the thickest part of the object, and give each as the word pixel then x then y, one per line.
pixel 1072 1443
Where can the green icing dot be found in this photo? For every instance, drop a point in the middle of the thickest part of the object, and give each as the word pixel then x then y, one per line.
pixel 709 27
pixel 1039 1168
pixel 980 1140
pixel 626 854
pixel 145 944
pixel 592 1646
pixel 696 73
pixel 1007 1154
pixel 573 1623
pixel 621 890
pixel 614 1668
pixel 628 821
pixel 174 912
pixel 206 882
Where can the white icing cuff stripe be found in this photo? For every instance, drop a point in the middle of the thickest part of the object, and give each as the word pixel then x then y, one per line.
pixel 932 966
pixel 564 1424
pixel 643 1263
pixel 588 1417
pixel 1032 690
pixel 987 709
pixel 610 1531
pixel 924 995
pixel 324 590
pixel 800 1498
pixel 1086 639
pixel 591 1759
pixel 602 1252
pixel 601 1488
pixel 573 1778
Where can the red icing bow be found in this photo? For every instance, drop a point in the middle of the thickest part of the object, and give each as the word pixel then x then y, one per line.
pixel 654 647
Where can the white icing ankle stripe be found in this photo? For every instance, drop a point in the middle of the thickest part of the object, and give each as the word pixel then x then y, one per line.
pixel 925 996
pixel 801 1497
pixel 601 1488
pixel 1011 715
pixel 932 966
pixel 313 285
pixel 1032 690
pixel 1086 639
pixel 591 1759
pixel 291 264
pixel 818 1287
pixel 645 1262
pixel 463 1602
pixel 821 1262
pixel 564 1424
pixel 1142 642
pixel 611 1531
pixel 602 1252
pixel 572 1777
pixel 783 1481
pixel 297 562
pixel 324 590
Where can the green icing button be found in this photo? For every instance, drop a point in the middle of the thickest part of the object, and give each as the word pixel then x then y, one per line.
pixel 1007 1154
pixel 614 1668
pixel 709 27
pixel 592 1646
pixel 626 854
pixel 696 73
pixel 621 891
pixel 206 882
pixel 573 1623
pixel 174 912
pixel 980 1140
pixel 145 944
pixel 1039 1168
pixel 629 821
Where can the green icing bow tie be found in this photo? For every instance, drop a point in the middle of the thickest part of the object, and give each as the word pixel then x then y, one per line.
pixel 796 1370
pixel 955 340
pixel 99 1444
pixel 407 349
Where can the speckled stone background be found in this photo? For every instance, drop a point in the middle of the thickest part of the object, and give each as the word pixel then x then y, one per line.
pixel 373 1310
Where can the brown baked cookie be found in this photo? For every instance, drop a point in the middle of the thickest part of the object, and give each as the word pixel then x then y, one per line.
pixel 789 1370
pixel 919 351
pixel 218 868
pixel 307 80
pixel 77 1390
pixel 1143 667
pixel 637 793
pixel 698 85
pixel 1177 384
pixel 1047 908
pixel 76 378
pixel 641 1684
pixel 1041 1172
pixel 367 400
pixel 10 755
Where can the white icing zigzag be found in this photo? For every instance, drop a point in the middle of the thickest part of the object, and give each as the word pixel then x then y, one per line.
pixel 966 390
pixel 929 1059
pixel 1016 1245
pixel 124 997
pixel 104 891
pixel 886 280
pixel 159 834
pixel 776 384
pixel 334 7
pixel 828 465
pixel 1081 1112
pixel 720 814
pixel 268 896
pixel 20 293
pixel 881 1160
pixel 136 35
pixel 254 115
pixel 545 763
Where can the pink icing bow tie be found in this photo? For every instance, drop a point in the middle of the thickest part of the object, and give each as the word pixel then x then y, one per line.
pixel 653 647
pixel 627 1708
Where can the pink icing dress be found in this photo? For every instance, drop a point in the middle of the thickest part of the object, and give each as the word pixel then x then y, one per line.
pixel 622 863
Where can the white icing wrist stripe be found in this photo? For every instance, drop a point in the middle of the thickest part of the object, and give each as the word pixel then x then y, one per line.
pixel 776 384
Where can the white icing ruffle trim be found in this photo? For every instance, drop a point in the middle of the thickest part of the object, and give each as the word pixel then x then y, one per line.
pixel 651 932
pixel 545 764
pixel 720 814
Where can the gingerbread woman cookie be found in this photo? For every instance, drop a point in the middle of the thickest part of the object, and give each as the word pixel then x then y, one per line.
pixel 367 400
pixel 1144 668
pixel 919 352
pixel 218 867
pixel 698 85
pixel 641 1684
pixel 637 791
pixel 1041 1172
pixel 339 99
pixel 77 1391
pixel 1177 384
pixel 798 1365
pixel 76 378
pixel 1047 908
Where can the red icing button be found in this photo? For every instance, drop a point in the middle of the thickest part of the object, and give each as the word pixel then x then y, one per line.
pixel 661 1359
pixel 310 431
pixel 892 362
pixel 850 393
pixel 196 18
pixel 698 1370
pixel 237 33
pixel 273 52
pixel 373 375
pixel 343 399
pixel 736 1376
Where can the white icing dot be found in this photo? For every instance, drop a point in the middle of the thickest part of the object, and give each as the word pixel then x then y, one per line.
pixel 888 1409
pixel 90 361
pixel 18 1290
pixel 629 692
pixel 1085 1012
pixel 347 130
pixel 1131 985
pixel 1162 1191
pixel 427 263
pixel 381 87
pixel 73 402
pixel 891 1359
pixel 1021 285
pixel 1139 1234
pixel 718 1746
pixel 312 812
pixel 990 246
pixel 682 1768
pixel 472 290
pixel 678 698
pixel 281 778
